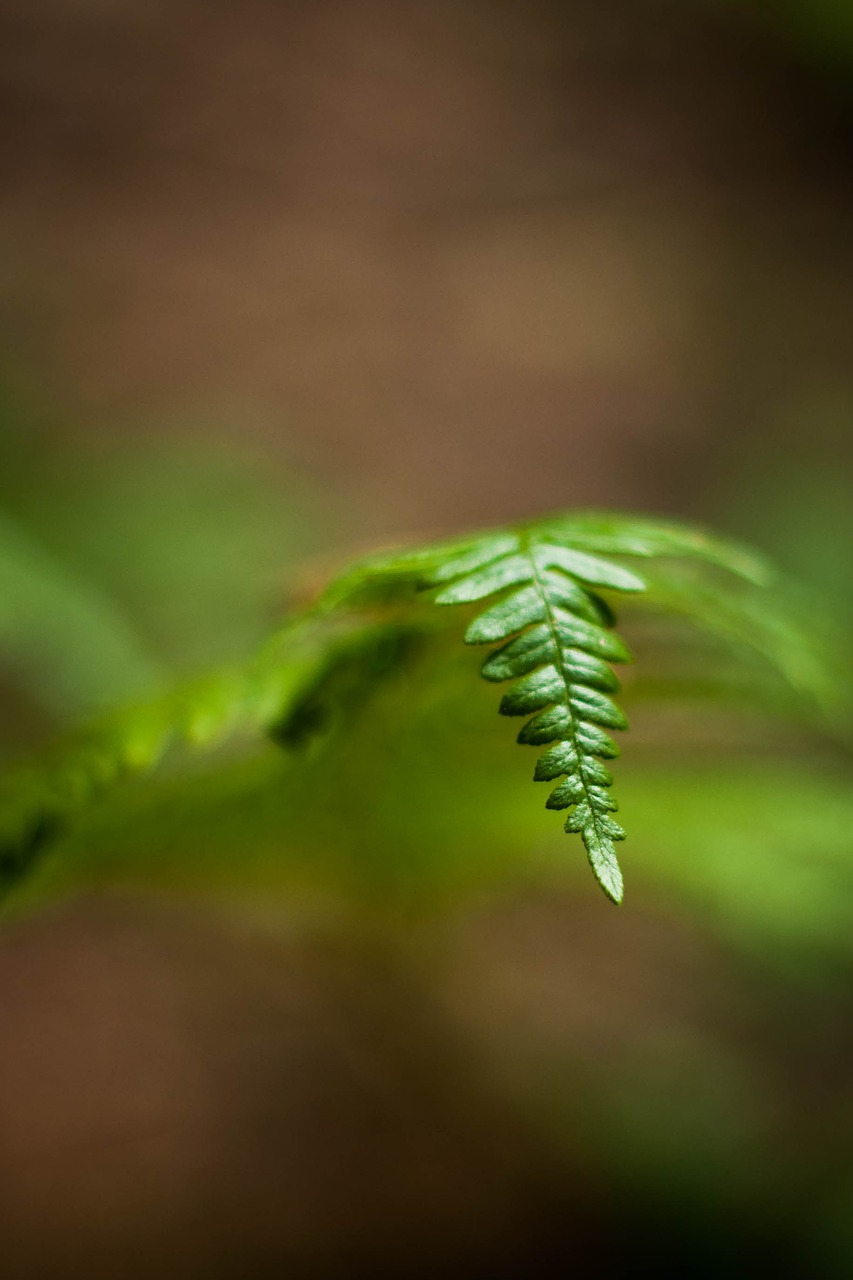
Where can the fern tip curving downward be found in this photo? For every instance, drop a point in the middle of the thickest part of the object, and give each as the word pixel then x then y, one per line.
pixel 556 643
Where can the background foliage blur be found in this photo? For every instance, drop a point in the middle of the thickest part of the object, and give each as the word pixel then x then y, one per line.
pixel 285 281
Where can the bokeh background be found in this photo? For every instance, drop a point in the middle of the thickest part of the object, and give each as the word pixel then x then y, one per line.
pixel 281 282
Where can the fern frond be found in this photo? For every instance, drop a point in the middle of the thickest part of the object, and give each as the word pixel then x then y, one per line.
pixel 537 594
pixel 557 644
pixel 556 636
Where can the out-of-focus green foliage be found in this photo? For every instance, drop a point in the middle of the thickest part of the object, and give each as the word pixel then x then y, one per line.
pixel 189 540
pixel 555 636
pixel 53 622
pixel 762 856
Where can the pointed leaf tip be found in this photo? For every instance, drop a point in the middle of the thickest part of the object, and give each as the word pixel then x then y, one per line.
pixel 604 863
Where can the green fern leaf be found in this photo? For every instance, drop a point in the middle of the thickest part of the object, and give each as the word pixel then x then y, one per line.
pixel 557 646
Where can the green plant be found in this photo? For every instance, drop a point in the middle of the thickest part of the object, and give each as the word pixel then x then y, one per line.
pixel 538 593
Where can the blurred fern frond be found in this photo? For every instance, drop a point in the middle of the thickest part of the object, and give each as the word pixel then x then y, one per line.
pixel 291 691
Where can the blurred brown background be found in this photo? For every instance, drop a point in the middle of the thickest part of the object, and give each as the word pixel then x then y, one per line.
pixel 460 258
pixel 445 264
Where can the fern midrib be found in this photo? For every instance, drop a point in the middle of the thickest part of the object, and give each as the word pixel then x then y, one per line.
pixel 561 668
